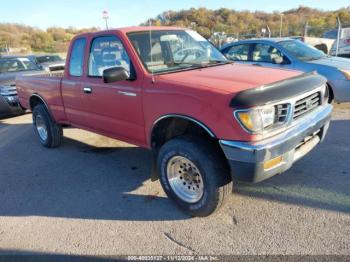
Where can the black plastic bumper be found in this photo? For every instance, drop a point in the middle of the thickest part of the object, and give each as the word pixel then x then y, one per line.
pixel 9 108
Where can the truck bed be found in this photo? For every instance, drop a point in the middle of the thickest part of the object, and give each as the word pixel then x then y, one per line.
pixel 48 85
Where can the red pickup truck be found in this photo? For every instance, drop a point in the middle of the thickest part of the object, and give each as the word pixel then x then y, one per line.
pixel 208 121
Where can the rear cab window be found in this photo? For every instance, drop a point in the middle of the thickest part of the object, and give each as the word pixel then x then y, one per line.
pixel 107 52
pixel 76 62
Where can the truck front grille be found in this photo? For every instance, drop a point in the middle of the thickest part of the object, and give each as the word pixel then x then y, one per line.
pixel 306 105
pixel 281 113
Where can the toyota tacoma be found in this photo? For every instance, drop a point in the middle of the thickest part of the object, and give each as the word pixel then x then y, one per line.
pixel 207 121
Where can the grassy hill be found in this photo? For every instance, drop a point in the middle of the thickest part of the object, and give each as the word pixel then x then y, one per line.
pixel 205 21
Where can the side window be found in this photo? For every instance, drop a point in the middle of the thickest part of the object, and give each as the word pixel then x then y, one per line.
pixel 77 57
pixel 107 52
pixel 238 53
pixel 265 53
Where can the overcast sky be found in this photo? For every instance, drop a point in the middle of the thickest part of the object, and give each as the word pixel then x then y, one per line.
pixel 88 13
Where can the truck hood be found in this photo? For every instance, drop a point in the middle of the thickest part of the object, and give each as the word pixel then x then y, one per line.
pixel 230 78
pixel 336 62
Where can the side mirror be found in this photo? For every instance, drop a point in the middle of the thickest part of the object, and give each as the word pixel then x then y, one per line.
pixel 115 74
pixel 278 60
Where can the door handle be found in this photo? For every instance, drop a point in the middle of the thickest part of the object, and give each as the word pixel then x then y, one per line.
pixel 87 90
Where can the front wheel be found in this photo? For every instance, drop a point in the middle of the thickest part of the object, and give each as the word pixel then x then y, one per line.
pixel 49 132
pixel 194 175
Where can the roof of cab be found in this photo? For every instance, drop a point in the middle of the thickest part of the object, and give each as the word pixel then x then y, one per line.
pixel 130 29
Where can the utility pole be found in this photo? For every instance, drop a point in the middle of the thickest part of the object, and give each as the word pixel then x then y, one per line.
pixel 269 30
pixel 306 27
pixel 338 36
pixel 281 25
pixel 105 16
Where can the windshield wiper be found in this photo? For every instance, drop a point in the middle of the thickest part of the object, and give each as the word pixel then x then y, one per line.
pixel 203 63
pixel 185 63
pixel 215 63
pixel 220 62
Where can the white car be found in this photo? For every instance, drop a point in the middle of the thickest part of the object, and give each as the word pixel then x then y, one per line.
pixel 344 43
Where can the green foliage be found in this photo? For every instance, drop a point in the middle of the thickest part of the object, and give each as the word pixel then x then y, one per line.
pixel 205 21
pixel 54 39
pixel 41 41
pixel 243 23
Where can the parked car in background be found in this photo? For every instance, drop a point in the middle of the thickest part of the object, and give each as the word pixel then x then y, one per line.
pixel 10 67
pixel 293 54
pixel 208 121
pixel 344 42
pixel 48 62
pixel 323 44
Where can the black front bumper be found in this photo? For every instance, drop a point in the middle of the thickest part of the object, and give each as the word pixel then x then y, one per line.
pixel 10 107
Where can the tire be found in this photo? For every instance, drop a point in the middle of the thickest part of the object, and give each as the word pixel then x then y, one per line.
pixel 49 132
pixel 210 184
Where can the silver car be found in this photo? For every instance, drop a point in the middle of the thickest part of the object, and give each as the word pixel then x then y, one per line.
pixel 10 68
pixel 293 54
pixel 48 62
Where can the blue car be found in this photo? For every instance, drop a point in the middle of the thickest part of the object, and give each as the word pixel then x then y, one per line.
pixel 293 54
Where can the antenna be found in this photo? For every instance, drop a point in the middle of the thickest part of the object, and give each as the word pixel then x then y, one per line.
pixel 150 46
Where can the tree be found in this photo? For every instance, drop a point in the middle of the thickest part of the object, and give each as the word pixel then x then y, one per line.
pixel 41 41
pixel 250 23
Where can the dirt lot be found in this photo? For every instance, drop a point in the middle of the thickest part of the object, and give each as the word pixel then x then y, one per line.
pixel 93 196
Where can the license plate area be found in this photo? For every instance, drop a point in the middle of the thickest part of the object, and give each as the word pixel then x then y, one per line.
pixel 307 145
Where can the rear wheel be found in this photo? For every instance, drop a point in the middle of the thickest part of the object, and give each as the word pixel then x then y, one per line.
pixel 194 175
pixel 49 132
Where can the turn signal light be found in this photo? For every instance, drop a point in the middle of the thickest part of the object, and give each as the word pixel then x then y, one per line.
pixel 273 162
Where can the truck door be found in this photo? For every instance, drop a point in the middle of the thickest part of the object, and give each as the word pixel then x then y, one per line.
pixel 115 109
pixel 72 85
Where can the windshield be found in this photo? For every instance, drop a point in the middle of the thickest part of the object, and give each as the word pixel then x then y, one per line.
pixel 48 58
pixel 174 50
pixel 301 50
pixel 8 65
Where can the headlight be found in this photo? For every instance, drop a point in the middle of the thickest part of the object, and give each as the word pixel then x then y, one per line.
pixel 346 73
pixel 255 120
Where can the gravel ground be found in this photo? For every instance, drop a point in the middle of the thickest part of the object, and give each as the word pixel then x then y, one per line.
pixel 93 196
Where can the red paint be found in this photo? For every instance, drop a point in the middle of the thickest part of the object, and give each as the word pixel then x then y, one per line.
pixel 203 94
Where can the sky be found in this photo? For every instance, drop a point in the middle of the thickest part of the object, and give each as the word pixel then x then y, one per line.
pixel 88 13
